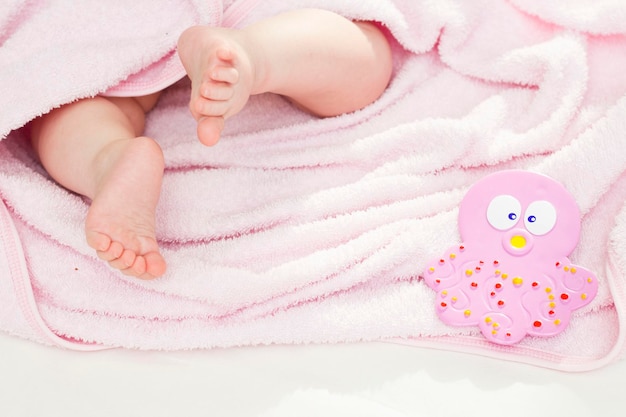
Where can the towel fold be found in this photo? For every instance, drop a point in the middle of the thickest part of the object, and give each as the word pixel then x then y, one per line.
pixel 295 229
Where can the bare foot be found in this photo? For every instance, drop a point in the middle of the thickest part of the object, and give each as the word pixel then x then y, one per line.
pixel 222 76
pixel 120 224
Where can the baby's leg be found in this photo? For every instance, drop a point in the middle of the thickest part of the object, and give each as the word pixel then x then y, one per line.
pixel 325 63
pixel 93 147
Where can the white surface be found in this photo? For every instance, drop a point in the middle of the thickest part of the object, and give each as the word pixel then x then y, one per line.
pixel 342 380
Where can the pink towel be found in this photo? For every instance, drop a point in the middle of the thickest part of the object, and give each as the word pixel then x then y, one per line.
pixel 295 229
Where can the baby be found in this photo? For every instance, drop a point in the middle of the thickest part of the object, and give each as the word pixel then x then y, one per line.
pixel 322 62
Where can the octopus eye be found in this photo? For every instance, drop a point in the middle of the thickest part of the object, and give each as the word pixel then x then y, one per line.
pixel 503 212
pixel 540 217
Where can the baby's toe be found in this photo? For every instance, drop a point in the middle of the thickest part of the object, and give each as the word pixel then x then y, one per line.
pixel 217 91
pixel 98 241
pixel 225 74
pixel 114 251
pixel 210 129
pixel 154 265
pixel 137 268
pixel 124 261
pixel 204 107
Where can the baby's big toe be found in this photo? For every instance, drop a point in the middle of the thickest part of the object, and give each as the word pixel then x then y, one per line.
pixel 154 265
pixel 210 129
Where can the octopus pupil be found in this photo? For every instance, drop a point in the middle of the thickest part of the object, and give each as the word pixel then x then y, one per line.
pixel 512 216
pixel 532 219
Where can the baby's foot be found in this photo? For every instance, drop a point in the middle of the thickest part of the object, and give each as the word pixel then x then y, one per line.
pixel 222 75
pixel 120 223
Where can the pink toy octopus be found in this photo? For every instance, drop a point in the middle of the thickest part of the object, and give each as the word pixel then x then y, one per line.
pixel 511 275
